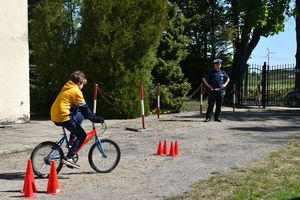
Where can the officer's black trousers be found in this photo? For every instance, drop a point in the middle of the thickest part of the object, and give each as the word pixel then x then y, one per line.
pixel 214 97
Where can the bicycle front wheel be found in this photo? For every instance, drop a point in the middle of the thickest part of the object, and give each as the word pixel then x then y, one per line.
pixel 42 157
pixel 107 163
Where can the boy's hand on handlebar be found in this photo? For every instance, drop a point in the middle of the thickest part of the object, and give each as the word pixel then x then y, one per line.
pixel 104 124
pixel 100 120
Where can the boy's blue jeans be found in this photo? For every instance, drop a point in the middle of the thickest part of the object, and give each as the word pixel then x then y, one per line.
pixel 78 134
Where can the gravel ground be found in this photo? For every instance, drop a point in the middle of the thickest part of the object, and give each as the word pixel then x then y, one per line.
pixel 205 148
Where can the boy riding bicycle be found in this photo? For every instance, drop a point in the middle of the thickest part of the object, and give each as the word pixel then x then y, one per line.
pixel 69 109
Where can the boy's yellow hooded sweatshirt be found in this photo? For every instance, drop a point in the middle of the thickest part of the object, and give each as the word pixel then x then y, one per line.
pixel 70 96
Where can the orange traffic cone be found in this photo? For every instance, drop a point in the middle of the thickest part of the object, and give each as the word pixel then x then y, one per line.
pixel 29 186
pixel 159 149
pixel 172 150
pixel 53 186
pixel 28 190
pixel 176 148
pixel 165 148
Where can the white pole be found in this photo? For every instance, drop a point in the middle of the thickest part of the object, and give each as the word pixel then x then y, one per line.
pixel 201 97
pixel 234 101
pixel 95 101
pixel 158 100
pixel 143 107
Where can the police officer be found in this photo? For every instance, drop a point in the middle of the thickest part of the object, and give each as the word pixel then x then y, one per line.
pixel 216 80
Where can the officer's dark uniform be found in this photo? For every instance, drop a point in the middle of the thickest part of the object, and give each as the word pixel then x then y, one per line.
pixel 216 79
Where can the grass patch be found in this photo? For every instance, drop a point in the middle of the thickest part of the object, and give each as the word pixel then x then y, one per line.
pixel 192 106
pixel 276 177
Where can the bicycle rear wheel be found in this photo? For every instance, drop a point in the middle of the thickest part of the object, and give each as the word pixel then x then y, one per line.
pixel 42 157
pixel 104 164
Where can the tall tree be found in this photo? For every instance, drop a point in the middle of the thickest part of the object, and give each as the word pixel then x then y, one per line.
pixel 209 34
pixel 250 20
pixel 52 50
pixel 206 28
pixel 118 42
pixel 167 71
pixel 297 83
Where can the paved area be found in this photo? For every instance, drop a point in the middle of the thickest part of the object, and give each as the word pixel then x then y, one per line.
pixel 205 149
pixel 23 137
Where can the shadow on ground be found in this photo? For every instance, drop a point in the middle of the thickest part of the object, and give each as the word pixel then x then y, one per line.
pixel 268 129
pixel 12 176
pixel 262 115
pixel 248 115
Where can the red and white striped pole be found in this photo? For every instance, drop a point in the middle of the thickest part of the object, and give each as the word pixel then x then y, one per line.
pixel 158 100
pixel 142 106
pixel 95 101
pixel 234 100
pixel 201 97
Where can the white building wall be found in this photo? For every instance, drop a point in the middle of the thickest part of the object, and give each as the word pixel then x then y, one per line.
pixel 14 62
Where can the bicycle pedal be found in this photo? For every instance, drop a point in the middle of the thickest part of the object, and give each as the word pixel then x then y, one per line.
pixel 71 165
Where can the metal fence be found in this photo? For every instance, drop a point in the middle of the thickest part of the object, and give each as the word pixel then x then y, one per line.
pixel 265 85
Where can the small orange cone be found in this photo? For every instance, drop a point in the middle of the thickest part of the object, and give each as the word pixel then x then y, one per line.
pixel 27 190
pixel 172 150
pixel 159 149
pixel 176 148
pixel 53 186
pixel 165 148
pixel 29 186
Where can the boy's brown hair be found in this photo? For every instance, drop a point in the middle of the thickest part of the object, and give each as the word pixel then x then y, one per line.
pixel 78 77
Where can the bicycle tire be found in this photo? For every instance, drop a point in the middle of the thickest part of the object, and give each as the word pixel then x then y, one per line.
pixel 41 163
pixel 101 164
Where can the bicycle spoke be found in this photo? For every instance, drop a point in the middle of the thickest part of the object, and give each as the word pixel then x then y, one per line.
pixel 43 155
pixel 104 157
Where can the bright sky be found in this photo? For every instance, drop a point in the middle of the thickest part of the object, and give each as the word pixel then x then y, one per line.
pixel 281 47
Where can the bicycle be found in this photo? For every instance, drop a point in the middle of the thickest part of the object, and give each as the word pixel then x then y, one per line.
pixel 104 155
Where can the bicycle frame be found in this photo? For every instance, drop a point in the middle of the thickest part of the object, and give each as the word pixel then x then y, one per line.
pixel 103 154
pixel 90 134
pixel 59 143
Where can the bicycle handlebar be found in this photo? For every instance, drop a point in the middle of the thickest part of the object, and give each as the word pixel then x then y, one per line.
pixel 104 127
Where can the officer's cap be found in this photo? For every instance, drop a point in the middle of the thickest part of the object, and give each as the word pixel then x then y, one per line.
pixel 218 61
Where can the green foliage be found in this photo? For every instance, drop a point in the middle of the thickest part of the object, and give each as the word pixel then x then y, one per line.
pixel 51 55
pixel 249 21
pixel 209 37
pixel 193 106
pixel 206 27
pixel 268 16
pixel 117 42
pixel 167 71
pixel 113 42
pixel 275 177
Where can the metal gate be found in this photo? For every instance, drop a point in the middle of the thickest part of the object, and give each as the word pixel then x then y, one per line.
pixel 265 85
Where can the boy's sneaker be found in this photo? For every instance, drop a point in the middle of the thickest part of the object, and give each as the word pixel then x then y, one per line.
pixel 69 162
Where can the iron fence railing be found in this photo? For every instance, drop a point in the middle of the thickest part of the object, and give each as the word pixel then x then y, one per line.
pixel 265 85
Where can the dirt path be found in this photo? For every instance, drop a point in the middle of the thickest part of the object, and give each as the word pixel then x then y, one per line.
pixel 205 148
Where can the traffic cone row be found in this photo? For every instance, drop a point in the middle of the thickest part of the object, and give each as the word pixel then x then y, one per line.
pixel 162 150
pixel 29 187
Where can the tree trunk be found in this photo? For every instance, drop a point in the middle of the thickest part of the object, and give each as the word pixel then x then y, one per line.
pixel 238 68
pixel 243 47
pixel 297 80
